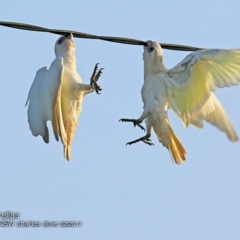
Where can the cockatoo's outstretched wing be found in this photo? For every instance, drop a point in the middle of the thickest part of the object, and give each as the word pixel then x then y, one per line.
pixel 190 83
pixel 45 101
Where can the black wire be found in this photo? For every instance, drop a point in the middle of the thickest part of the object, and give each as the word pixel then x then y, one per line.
pixel 122 40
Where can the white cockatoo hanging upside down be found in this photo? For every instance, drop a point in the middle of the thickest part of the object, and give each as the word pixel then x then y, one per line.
pixel 188 89
pixel 57 94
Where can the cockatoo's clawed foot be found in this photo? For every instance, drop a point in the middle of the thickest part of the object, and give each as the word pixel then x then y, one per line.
pixel 94 78
pixel 96 87
pixel 146 139
pixel 134 121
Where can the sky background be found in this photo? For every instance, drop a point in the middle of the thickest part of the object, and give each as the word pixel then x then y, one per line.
pixel 119 192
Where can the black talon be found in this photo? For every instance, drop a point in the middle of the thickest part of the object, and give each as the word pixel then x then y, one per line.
pixel 134 121
pixel 94 70
pixel 150 144
pixel 94 78
pixel 98 74
pixel 146 139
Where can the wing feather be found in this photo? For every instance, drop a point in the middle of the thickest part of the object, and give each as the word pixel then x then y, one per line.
pixel 191 82
pixel 54 86
pixel 43 96
pixel 219 118
pixel 214 113
pixel 36 120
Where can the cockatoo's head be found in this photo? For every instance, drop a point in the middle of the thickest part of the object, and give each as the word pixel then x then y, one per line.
pixel 64 45
pixel 153 58
pixel 152 52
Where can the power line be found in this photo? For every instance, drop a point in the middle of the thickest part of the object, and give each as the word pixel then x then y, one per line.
pixel 122 40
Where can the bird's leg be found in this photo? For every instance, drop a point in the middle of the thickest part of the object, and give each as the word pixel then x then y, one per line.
pixel 146 139
pixel 136 122
pixel 94 78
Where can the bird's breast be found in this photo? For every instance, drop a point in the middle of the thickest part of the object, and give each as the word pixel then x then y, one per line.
pixel 70 80
pixel 153 88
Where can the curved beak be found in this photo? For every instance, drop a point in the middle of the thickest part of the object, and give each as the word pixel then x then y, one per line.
pixel 149 46
pixel 70 36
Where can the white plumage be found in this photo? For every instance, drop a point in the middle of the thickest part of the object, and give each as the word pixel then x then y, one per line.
pixel 188 89
pixel 57 94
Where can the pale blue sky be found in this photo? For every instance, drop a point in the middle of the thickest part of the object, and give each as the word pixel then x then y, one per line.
pixel 119 192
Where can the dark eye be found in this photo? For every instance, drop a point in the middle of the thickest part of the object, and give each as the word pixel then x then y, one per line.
pixel 150 49
pixel 59 42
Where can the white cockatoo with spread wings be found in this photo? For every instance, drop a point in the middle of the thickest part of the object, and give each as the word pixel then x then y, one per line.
pixel 57 94
pixel 188 89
